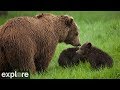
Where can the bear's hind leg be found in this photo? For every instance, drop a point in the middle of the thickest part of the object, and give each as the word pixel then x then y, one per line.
pixel 42 62
pixel 24 64
pixel 21 59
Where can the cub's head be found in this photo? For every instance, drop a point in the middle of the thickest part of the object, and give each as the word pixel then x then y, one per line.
pixel 84 49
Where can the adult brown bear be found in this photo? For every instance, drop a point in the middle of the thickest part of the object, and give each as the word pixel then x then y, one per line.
pixel 28 43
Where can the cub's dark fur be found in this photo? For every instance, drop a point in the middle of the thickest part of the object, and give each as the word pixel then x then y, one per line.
pixel 96 57
pixel 69 57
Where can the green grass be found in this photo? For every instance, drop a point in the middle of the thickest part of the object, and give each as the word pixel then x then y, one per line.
pixel 100 28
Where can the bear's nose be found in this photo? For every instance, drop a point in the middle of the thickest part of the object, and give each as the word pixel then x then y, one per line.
pixel 77 51
pixel 79 44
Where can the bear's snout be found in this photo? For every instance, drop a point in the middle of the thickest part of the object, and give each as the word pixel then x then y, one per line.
pixel 79 44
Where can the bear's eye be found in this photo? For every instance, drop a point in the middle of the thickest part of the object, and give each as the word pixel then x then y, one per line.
pixel 76 34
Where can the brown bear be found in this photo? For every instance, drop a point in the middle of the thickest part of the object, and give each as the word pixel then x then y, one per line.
pixel 29 43
pixel 96 57
pixel 69 57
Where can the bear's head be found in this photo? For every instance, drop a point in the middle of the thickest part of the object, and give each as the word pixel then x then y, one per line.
pixel 69 31
pixel 84 49
pixel 65 28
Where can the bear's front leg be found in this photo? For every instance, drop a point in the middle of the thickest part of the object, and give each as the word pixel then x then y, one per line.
pixel 93 64
pixel 42 61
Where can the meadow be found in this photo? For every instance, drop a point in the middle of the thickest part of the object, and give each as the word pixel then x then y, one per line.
pixel 101 28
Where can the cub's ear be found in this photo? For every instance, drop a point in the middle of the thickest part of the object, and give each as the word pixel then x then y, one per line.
pixel 39 16
pixel 89 44
pixel 68 20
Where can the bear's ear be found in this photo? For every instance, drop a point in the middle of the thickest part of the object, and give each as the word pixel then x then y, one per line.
pixel 89 45
pixel 39 16
pixel 68 20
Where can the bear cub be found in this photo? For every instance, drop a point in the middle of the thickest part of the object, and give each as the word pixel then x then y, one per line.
pixel 96 57
pixel 69 57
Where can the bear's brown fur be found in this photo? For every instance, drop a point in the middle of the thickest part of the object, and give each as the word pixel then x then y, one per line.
pixel 96 57
pixel 28 43
pixel 69 57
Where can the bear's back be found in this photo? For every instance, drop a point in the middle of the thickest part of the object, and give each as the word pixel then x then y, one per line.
pixel 26 26
pixel 70 52
pixel 99 55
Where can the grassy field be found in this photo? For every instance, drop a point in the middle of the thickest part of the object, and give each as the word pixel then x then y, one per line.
pixel 100 28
